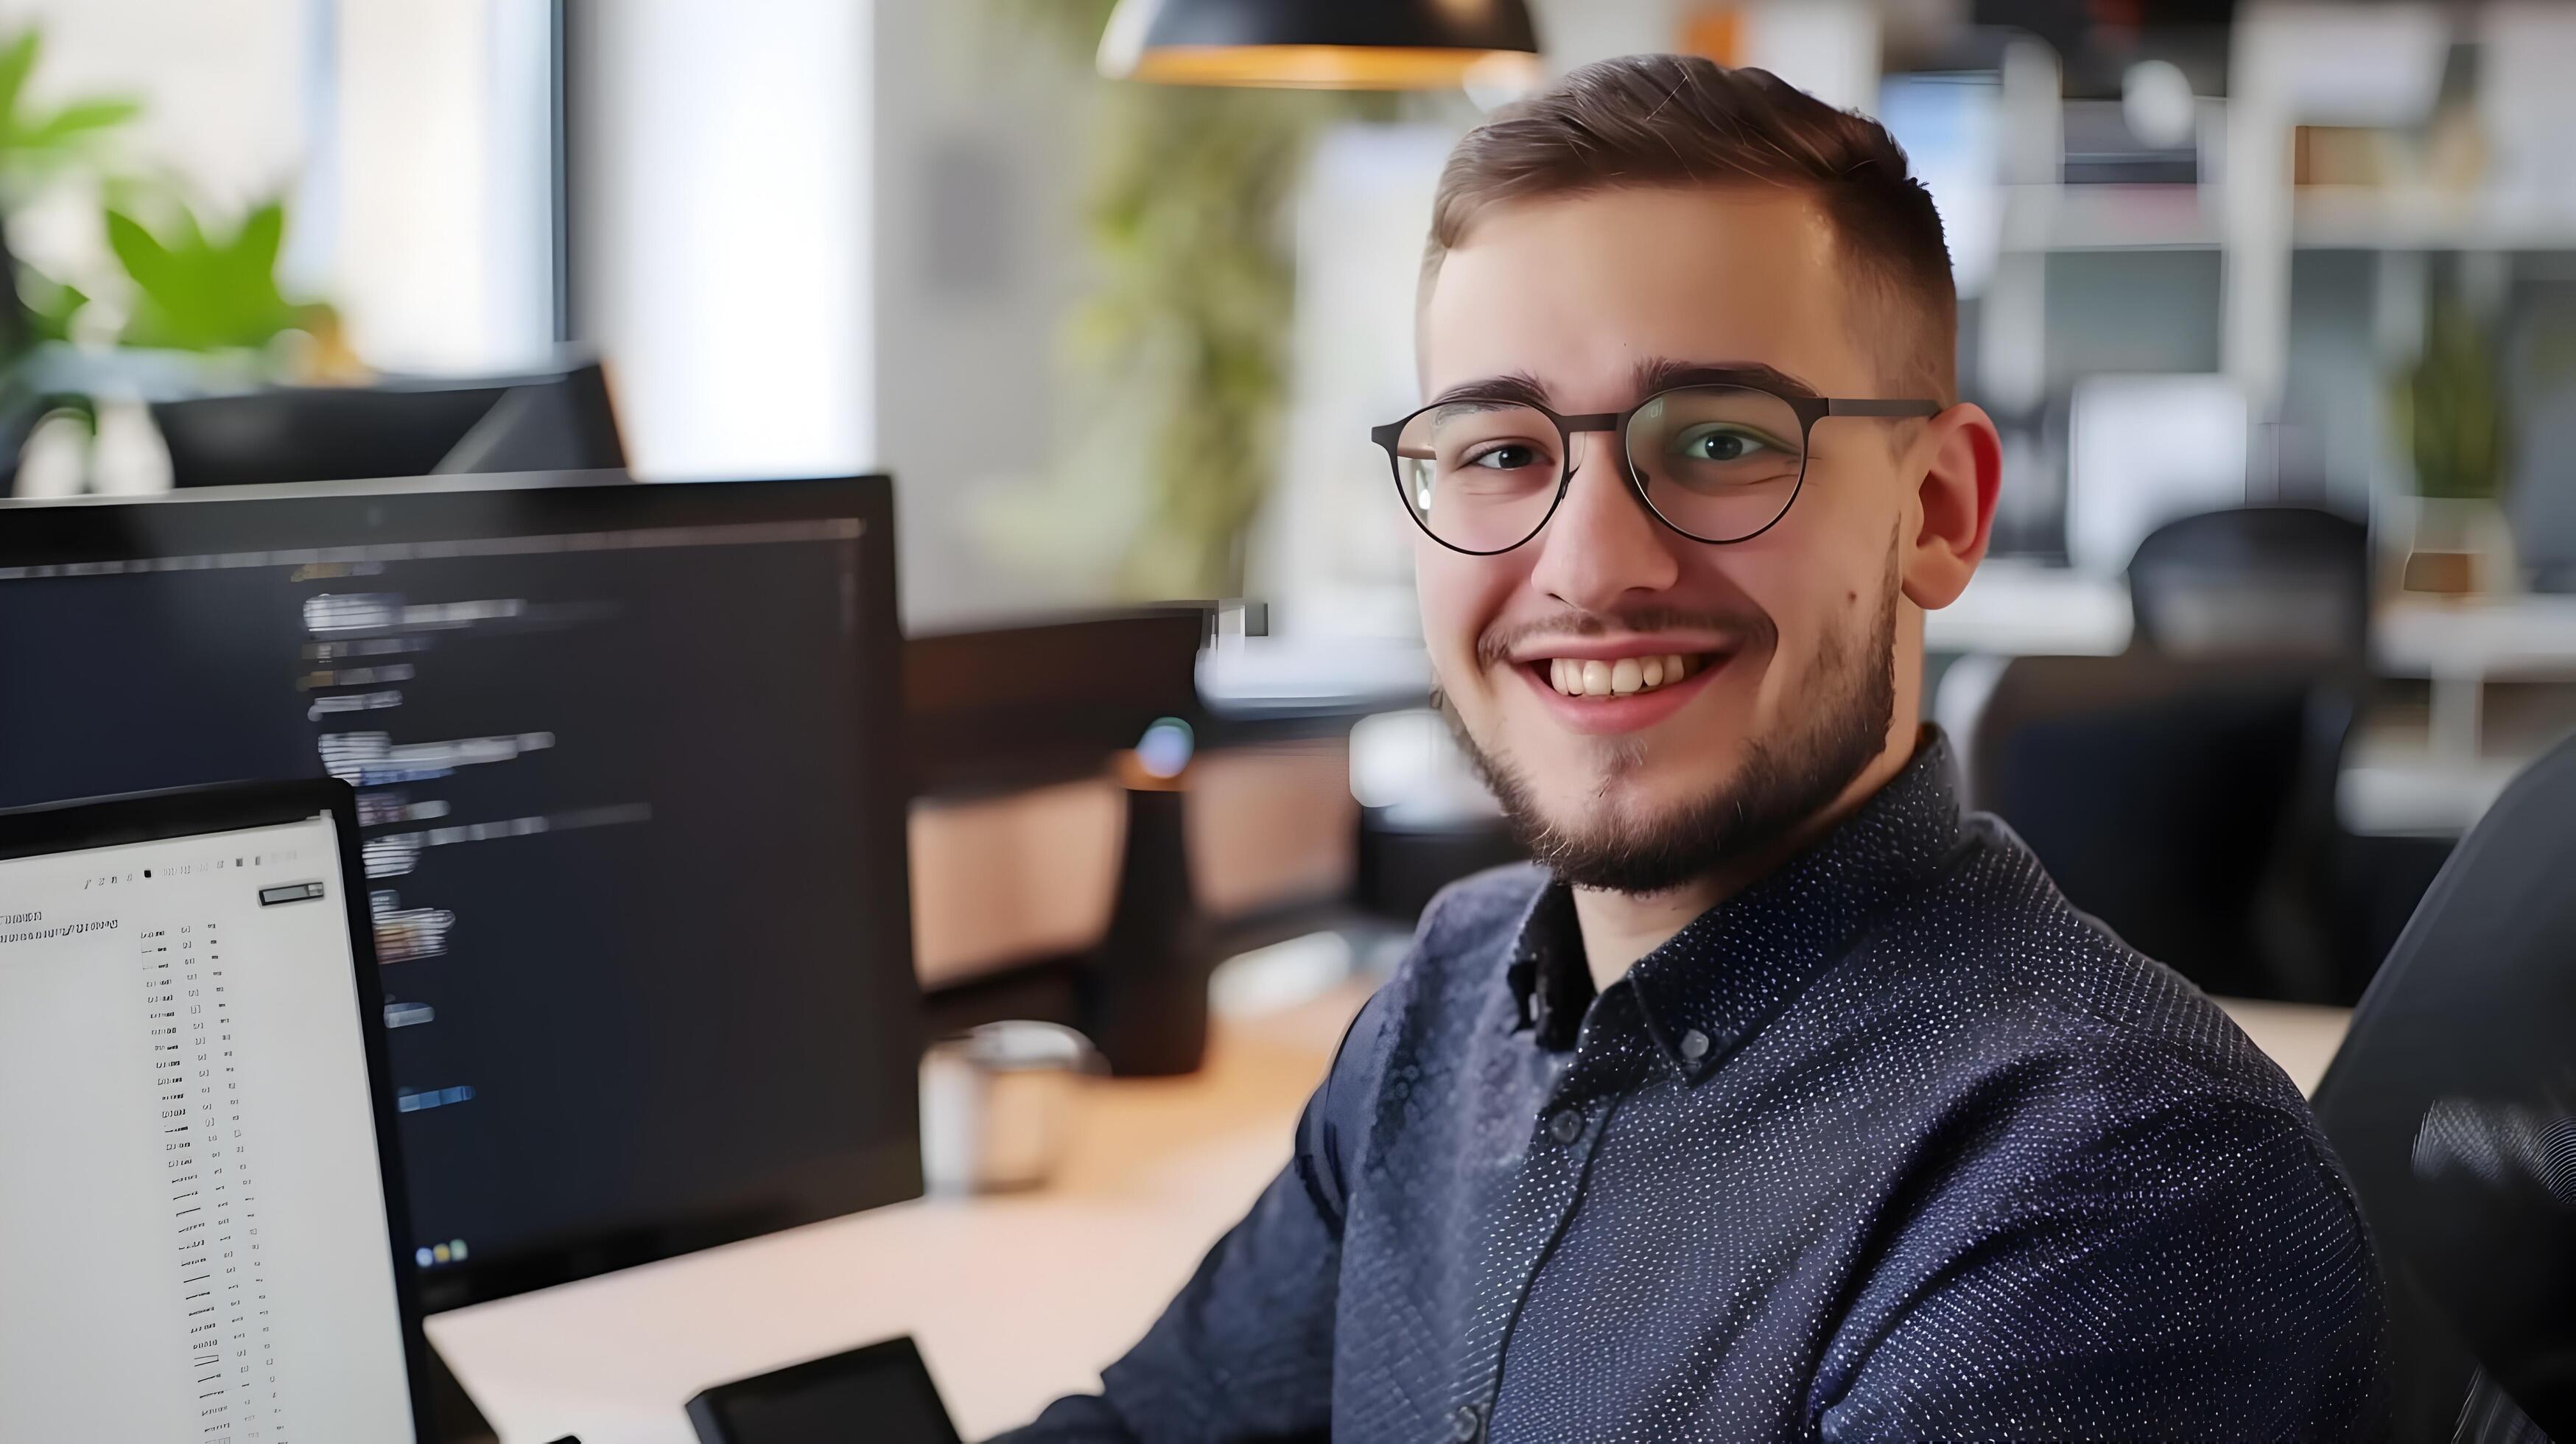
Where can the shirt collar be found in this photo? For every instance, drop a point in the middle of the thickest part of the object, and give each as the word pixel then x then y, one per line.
pixel 1712 985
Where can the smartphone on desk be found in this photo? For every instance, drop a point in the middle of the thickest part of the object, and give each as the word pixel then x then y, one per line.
pixel 882 1393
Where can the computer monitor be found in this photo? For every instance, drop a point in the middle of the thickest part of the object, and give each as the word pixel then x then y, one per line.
pixel 205 1220
pixel 630 806
pixel 548 421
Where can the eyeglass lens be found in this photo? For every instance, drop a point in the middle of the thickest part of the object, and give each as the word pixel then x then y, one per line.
pixel 1719 463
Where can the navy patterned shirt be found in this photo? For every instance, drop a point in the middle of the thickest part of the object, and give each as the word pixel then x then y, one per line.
pixel 1894 1144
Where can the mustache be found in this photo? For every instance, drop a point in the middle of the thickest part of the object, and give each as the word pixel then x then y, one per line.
pixel 1750 626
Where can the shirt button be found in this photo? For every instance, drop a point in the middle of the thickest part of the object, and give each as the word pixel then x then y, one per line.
pixel 1565 1127
pixel 1466 1423
pixel 1694 1045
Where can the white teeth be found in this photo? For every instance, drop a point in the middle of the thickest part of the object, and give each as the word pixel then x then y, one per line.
pixel 1625 677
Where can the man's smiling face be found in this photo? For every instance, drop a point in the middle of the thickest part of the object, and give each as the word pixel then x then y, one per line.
pixel 1797 647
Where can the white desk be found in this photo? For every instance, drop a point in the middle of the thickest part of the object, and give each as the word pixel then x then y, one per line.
pixel 2018 608
pixel 2461 646
pixel 1014 1300
pixel 2301 1037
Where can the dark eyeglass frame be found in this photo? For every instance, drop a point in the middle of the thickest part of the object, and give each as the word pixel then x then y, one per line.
pixel 1808 409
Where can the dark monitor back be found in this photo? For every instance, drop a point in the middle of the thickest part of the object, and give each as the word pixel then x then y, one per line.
pixel 295 434
pixel 630 815
pixel 1015 706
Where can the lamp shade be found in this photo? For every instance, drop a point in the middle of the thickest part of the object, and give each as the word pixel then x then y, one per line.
pixel 1317 44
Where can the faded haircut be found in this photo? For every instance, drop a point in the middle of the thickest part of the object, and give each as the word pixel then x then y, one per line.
pixel 1677 120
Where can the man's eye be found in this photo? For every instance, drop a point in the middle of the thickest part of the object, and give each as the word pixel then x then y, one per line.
pixel 1718 444
pixel 1508 457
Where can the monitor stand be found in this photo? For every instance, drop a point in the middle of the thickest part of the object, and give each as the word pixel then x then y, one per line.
pixel 451 1410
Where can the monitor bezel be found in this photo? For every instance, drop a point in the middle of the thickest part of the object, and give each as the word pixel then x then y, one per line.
pixel 80 825
pixel 218 520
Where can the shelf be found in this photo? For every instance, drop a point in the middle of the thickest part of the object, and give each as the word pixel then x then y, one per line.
pixel 2047 218
pixel 2108 218
pixel 2372 218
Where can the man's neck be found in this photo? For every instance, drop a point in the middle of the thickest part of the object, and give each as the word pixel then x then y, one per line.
pixel 1619 928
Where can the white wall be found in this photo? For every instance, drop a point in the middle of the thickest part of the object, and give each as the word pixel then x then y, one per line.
pixel 722 232
pixel 440 200
pixel 981 134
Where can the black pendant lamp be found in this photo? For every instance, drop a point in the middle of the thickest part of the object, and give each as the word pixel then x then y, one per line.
pixel 1319 44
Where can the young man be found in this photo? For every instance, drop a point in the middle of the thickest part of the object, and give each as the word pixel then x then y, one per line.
pixel 1784 1101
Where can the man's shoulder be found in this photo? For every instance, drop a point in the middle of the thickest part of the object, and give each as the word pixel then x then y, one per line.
pixel 2040 970
pixel 2086 1079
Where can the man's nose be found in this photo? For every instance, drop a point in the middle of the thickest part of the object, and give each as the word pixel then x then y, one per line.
pixel 1602 545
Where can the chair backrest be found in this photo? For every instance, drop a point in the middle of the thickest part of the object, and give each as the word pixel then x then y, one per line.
pixel 2187 805
pixel 2276 581
pixel 550 421
pixel 2452 1104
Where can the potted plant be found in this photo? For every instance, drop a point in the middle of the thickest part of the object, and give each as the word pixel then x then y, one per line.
pixel 177 304
pixel 2450 413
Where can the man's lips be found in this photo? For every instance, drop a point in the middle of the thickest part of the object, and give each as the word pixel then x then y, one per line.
pixel 1625 703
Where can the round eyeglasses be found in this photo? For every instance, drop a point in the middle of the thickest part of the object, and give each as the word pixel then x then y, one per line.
pixel 1717 463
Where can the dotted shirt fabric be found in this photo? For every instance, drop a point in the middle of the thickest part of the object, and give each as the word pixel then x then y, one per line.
pixel 1894 1145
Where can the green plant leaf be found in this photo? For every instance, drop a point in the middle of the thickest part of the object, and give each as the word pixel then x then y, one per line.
pixel 263 235
pixel 138 250
pixel 17 60
pixel 205 288
pixel 2450 406
pixel 78 119
pixel 34 143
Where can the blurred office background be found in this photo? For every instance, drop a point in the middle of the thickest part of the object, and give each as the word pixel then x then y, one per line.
pixel 2276 301
pixel 2275 304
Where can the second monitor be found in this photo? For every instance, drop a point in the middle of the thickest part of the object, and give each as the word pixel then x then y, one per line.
pixel 631 818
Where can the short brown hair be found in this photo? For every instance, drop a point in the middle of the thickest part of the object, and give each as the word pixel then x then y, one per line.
pixel 1678 120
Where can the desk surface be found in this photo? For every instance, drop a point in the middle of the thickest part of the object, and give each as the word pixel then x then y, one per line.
pixel 1015 1299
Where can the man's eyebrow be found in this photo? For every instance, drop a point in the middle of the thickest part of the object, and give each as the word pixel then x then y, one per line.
pixel 1518 388
pixel 1663 373
pixel 1656 373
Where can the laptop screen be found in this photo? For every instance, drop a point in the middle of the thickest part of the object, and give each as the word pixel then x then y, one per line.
pixel 193 1231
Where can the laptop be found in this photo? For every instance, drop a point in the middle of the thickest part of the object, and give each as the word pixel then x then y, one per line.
pixel 201 1216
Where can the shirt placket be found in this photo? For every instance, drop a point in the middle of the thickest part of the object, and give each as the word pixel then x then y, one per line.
pixel 1539 1198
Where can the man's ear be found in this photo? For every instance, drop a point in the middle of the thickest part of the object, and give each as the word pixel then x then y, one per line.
pixel 1956 504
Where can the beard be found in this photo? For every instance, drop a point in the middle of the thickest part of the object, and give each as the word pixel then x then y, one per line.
pixel 1786 780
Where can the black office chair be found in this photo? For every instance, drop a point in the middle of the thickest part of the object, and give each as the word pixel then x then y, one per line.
pixel 2290 586
pixel 2280 582
pixel 550 421
pixel 2188 805
pixel 2453 1106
